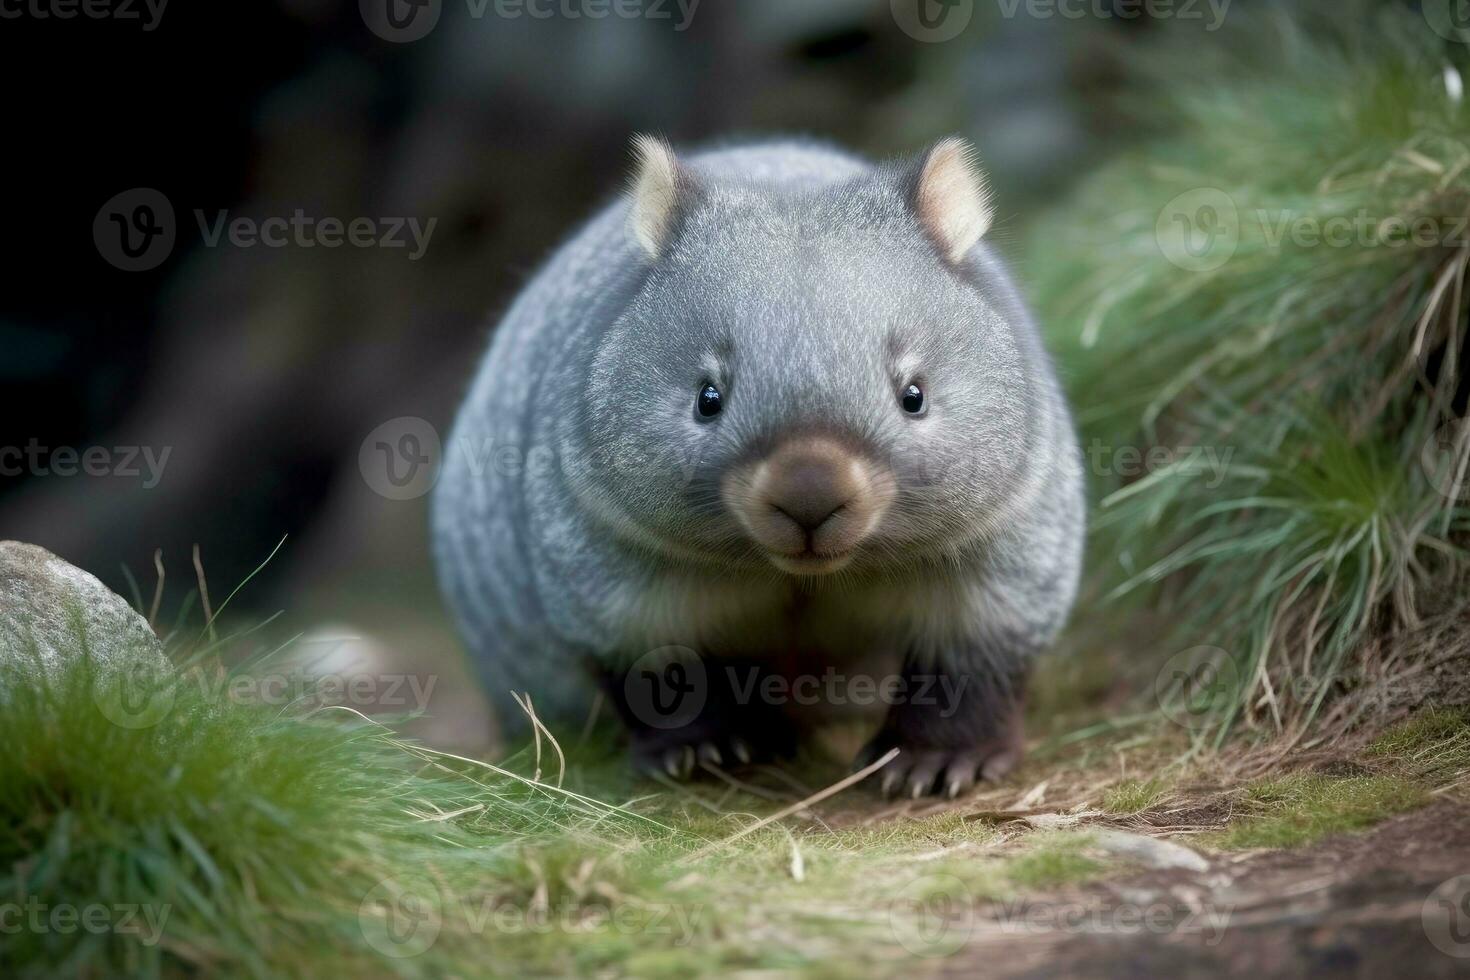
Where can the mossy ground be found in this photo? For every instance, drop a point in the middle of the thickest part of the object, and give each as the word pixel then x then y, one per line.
pixel 1297 809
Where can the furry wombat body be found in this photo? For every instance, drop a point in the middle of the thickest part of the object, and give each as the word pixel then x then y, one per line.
pixel 780 413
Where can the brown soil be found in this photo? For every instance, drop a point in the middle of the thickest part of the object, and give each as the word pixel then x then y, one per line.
pixel 1351 906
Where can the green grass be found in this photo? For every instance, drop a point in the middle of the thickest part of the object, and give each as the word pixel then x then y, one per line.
pixel 1289 386
pixel 1430 729
pixel 253 841
pixel 259 842
pixel 1134 795
pixel 1303 808
pixel 1057 859
pixel 1433 746
pixel 245 840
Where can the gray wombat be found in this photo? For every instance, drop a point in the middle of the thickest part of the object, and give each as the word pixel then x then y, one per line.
pixel 778 413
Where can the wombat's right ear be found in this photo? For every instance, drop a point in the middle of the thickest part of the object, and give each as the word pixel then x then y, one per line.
pixel 660 182
pixel 951 198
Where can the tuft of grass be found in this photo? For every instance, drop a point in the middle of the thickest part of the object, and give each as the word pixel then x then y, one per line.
pixel 1273 414
pixel 1134 795
pixel 1427 730
pixel 209 835
pixel 1432 746
pixel 1302 808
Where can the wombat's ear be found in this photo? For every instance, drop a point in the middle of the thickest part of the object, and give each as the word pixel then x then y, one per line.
pixel 660 182
pixel 951 198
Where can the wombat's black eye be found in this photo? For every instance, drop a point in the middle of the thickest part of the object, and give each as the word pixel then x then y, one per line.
pixel 912 399
pixel 709 402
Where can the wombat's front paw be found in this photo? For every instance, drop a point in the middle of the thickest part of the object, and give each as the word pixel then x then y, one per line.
pixel 922 768
pixel 682 752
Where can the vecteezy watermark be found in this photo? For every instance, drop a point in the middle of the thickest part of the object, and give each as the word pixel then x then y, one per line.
pixel 1199 230
pixel 402 21
pixel 1446 917
pixel 401 458
pixel 933 21
pixel 932 915
pixel 832 687
pixel 145 463
pixel 139 696
pixel 306 689
pixel 401 917
pixel 1445 460
pixel 404 457
pixel 1100 916
pixel 143 920
pixel 136 230
pixel 408 449
pixel 1450 19
pixel 1211 12
pixel 1202 229
pixel 1195 685
pixel 1131 461
pixel 1361 230
pixel 668 687
pixel 302 230
pixel 404 916
pixel 148 13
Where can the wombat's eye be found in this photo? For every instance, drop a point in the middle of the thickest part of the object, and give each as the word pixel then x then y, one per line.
pixel 911 397
pixel 709 401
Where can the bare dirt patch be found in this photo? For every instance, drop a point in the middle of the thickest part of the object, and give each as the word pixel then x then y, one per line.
pixel 1350 906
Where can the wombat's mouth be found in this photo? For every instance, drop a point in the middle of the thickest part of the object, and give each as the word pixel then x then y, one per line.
pixel 811 563
pixel 810 504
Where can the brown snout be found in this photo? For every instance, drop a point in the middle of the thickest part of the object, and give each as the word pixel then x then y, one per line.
pixel 809 504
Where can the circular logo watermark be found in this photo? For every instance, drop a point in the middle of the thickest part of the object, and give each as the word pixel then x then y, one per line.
pixel 1443 460
pixel 932 915
pixel 400 21
pixel 134 696
pixel 1199 230
pixel 1195 685
pixel 1450 19
pixel 932 21
pixel 1446 917
pixel 400 458
pixel 666 688
pixel 135 230
pixel 401 917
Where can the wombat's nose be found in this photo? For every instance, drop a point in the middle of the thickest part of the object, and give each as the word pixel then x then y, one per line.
pixel 810 481
pixel 810 503
pixel 809 490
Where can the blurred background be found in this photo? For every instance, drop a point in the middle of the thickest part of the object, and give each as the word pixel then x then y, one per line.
pixel 171 383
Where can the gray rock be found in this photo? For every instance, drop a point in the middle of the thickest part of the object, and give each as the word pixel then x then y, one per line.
pixel 1151 852
pixel 51 612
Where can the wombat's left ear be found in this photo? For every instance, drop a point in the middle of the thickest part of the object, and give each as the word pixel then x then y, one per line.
pixel 951 198
pixel 659 184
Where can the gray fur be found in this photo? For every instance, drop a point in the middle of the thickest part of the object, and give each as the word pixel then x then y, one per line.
pixel 578 513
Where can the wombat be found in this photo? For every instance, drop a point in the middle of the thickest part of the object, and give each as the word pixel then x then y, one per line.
pixel 772 433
